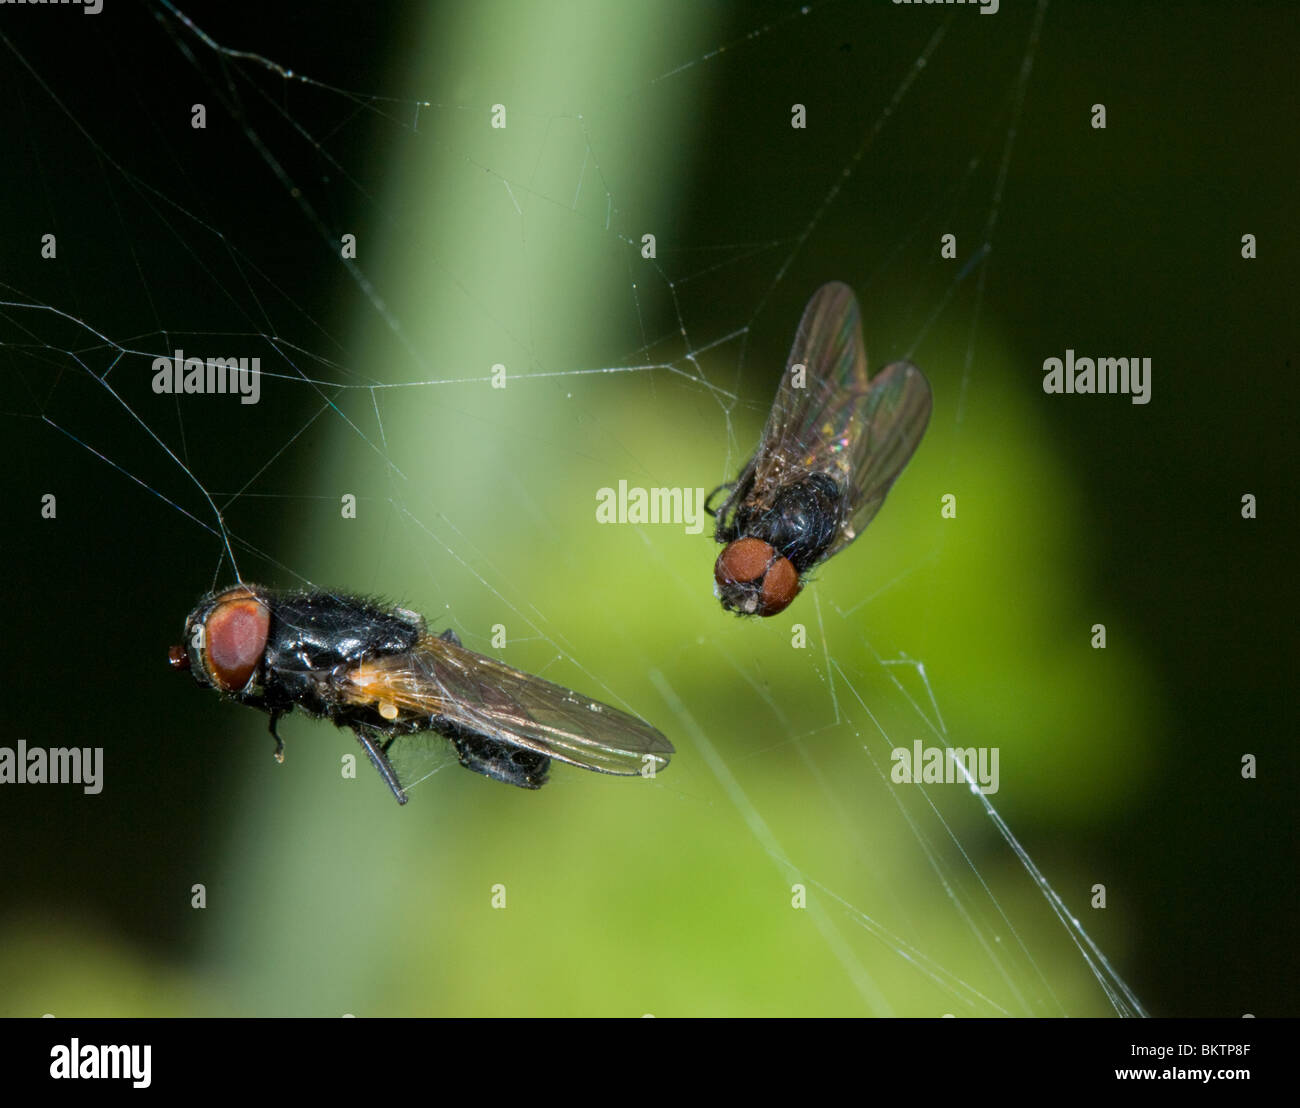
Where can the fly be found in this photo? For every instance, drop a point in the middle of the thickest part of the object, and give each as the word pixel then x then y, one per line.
pixel 380 672
pixel 835 442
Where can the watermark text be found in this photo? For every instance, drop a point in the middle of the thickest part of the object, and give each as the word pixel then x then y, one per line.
pixel 35 765
pixel 182 376
pixel 632 504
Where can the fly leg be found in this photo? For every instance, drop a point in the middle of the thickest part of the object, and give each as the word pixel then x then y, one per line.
pixel 725 513
pixel 378 756
pixel 279 742
pixel 709 507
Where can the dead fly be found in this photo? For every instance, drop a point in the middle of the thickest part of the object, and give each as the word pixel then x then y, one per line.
pixel 834 444
pixel 378 671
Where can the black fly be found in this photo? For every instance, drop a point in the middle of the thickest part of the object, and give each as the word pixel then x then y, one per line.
pixel 378 671
pixel 834 443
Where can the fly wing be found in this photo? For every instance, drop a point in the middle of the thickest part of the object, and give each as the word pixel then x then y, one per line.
pixel 836 419
pixel 887 428
pixel 442 680
pixel 812 426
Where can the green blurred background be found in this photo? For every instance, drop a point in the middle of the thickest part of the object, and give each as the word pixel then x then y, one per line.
pixel 477 505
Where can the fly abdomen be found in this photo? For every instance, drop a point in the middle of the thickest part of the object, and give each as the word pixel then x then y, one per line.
pixel 504 762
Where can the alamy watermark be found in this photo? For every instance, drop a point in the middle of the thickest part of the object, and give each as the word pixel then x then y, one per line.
pixel 88 7
pixel 182 376
pixel 975 766
pixel 90 1061
pixel 632 504
pixel 35 765
pixel 986 7
pixel 1130 376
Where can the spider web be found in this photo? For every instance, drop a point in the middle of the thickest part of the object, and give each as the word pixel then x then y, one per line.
pixel 489 255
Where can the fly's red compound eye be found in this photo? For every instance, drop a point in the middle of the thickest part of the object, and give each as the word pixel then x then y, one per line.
pixel 234 639
pixel 780 586
pixel 754 578
pixel 743 561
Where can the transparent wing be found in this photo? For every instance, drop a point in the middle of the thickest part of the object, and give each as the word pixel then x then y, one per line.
pixel 810 426
pixel 889 424
pixel 836 419
pixel 415 758
pixel 442 680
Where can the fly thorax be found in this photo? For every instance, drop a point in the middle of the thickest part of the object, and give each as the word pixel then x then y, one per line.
pixel 802 521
